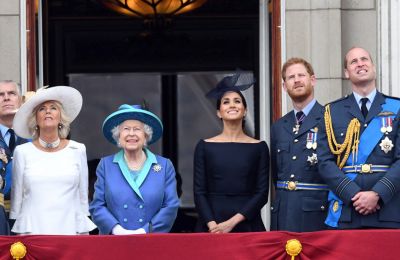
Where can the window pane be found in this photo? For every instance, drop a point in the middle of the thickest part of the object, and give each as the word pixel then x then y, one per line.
pixel 102 95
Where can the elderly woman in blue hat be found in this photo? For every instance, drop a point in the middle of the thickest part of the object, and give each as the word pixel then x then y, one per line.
pixel 231 169
pixel 135 191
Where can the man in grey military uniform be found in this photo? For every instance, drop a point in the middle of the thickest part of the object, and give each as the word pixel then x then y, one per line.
pixel 300 199
pixel 359 156
pixel 10 101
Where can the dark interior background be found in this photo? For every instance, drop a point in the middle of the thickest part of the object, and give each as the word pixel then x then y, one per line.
pixel 114 59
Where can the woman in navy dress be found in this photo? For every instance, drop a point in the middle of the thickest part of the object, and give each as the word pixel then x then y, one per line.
pixel 231 169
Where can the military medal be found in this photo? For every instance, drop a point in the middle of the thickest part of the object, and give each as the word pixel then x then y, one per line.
pixel 312 139
pixel 296 129
pixel 314 145
pixel 386 123
pixel 309 143
pixel 386 145
pixel 312 159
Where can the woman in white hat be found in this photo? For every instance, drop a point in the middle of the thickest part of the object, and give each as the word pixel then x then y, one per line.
pixel 135 191
pixel 49 193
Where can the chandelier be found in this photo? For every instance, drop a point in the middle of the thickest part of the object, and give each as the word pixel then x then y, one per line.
pixel 152 8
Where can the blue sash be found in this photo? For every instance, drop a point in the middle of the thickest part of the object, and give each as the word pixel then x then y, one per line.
pixel 368 140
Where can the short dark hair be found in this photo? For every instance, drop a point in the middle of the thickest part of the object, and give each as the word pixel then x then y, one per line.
pixel 296 60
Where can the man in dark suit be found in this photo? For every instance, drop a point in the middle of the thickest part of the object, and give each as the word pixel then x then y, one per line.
pixel 10 101
pixel 300 199
pixel 359 156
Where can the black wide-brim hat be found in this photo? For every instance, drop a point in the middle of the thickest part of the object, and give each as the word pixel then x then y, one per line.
pixel 238 82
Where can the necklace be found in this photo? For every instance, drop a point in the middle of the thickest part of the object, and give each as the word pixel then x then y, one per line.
pixel 138 165
pixel 47 145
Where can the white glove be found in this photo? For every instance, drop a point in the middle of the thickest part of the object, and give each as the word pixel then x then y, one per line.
pixel 118 230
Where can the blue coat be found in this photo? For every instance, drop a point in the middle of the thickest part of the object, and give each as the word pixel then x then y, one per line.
pixel 387 185
pixel 152 206
pixel 296 210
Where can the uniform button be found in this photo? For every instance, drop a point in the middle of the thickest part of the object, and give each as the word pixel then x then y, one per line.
pixel 140 220
pixel 341 134
pixel 291 176
pixel 365 125
pixel 125 220
pixel 279 150
pixel 296 140
pixel 125 206
pixel 322 208
pixel 140 206
pixel 294 157
pixel 272 208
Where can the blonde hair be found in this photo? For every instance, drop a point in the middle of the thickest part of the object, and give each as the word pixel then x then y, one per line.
pixel 64 126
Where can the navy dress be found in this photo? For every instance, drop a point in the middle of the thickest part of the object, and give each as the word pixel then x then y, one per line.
pixel 231 178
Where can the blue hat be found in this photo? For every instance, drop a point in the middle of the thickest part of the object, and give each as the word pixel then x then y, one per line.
pixel 134 112
pixel 238 82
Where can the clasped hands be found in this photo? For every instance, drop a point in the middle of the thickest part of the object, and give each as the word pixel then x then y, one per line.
pixel 119 230
pixel 366 202
pixel 225 226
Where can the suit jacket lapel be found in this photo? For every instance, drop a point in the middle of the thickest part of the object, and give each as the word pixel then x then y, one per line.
pixel 353 108
pixel 311 119
pixel 289 122
pixel 376 106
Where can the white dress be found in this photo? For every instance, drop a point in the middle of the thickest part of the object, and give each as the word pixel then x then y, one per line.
pixel 49 192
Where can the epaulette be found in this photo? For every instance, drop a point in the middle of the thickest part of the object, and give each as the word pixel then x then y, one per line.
pixel 337 100
pixel 386 96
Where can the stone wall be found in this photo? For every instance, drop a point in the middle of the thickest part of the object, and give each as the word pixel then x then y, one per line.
pixel 10 40
pixel 321 31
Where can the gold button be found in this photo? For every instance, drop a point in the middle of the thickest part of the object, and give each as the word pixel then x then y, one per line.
pixel 294 157
pixel 295 140
pixel 291 185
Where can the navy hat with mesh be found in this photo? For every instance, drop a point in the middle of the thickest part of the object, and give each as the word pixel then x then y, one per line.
pixel 238 82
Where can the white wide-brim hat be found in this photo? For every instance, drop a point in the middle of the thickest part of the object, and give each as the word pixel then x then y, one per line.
pixel 70 99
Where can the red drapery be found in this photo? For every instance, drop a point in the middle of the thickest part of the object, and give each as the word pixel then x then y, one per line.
pixel 350 244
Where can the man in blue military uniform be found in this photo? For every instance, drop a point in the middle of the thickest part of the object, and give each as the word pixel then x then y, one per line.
pixel 10 101
pixel 300 200
pixel 359 156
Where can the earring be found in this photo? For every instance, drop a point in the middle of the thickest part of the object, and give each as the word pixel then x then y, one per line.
pixel 60 126
pixel 36 128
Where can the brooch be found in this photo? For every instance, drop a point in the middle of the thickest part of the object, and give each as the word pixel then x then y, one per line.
pixel 312 159
pixel 386 145
pixel 157 167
